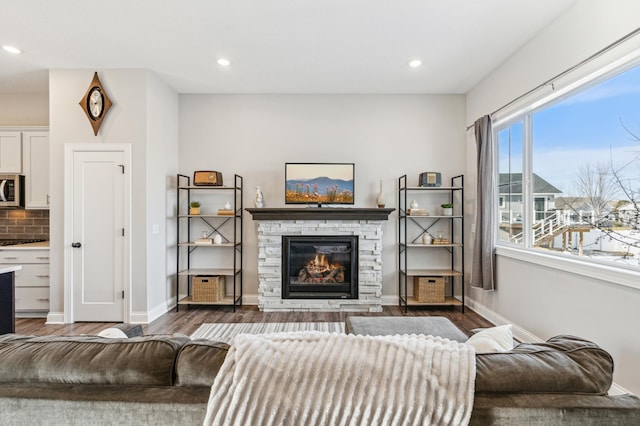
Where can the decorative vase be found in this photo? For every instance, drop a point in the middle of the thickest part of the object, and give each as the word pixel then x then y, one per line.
pixel 217 239
pixel 413 205
pixel 227 206
pixel 381 201
pixel 259 200
pixel 426 238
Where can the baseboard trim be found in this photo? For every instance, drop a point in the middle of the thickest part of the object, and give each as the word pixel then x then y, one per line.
pixel 139 318
pixel 55 318
pixel 158 311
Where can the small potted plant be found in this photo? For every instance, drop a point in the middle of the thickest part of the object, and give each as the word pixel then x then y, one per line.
pixel 194 207
pixel 447 209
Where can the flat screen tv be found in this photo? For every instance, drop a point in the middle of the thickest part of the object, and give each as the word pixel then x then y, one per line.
pixel 319 183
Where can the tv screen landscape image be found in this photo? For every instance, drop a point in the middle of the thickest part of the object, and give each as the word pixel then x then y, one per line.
pixel 319 183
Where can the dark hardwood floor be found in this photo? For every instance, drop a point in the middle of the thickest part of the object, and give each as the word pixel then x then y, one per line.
pixel 189 319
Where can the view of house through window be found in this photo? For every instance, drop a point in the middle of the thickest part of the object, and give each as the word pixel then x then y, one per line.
pixel 583 192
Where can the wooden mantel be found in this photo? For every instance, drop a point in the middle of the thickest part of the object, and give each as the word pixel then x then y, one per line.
pixel 320 213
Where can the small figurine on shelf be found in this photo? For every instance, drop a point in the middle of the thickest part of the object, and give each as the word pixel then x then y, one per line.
pixel 259 200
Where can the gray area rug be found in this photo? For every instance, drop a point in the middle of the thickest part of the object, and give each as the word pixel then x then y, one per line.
pixel 225 332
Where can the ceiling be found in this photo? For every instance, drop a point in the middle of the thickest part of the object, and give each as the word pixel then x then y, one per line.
pixel 275 46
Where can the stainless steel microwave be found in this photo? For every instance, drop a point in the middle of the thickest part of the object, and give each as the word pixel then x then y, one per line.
pixel 11 191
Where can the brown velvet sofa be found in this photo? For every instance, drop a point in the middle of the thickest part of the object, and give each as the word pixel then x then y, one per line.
pixel 166 380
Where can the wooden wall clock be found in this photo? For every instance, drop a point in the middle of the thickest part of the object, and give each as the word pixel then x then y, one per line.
pixel 95 103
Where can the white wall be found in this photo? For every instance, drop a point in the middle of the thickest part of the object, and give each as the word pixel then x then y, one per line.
pixel 24 109
pixel 540 300
pixel 162 166
pixel 134 93
pixel 385 136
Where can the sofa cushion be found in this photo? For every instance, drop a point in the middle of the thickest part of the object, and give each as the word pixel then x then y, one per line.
pixel 563 364
pixel 555 409
pixel 89 360
pixel 199 361
pixel 100 405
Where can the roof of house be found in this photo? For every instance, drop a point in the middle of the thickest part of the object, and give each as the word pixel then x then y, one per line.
pixel 574 203
pixel 511 183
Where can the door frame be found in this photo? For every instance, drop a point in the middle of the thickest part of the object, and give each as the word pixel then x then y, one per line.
pixel 69 151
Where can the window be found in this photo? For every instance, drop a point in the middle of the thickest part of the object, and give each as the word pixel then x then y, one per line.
pixel 569 174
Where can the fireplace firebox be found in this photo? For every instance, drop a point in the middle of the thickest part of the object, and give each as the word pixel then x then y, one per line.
pixel 320 267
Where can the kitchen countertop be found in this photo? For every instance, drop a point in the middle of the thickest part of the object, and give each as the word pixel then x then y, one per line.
pixel 30 246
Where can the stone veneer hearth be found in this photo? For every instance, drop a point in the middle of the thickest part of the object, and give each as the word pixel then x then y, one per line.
pixel 321 221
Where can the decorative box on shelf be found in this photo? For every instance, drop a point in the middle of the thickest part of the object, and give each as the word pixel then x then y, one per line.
pixel 225 212
pixel 440 241
pixel 208 288
pixel 418 212
pixel 204 241
pixel 428 289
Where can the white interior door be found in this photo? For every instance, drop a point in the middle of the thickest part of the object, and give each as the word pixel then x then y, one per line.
pixel 98 264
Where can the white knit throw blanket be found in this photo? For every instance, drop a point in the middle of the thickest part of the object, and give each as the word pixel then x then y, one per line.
pixel 319 378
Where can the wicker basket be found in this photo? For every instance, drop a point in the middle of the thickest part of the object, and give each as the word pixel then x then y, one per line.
pixel 428 289
pixel 208 288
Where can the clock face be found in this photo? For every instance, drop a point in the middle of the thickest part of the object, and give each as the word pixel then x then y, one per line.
pixel 95 103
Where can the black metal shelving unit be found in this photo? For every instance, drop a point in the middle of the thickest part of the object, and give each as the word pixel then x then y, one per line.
pixel 410 231
pixel 229 227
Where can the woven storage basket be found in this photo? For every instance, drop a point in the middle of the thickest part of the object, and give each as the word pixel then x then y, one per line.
pixel 428 289
pixel 208 288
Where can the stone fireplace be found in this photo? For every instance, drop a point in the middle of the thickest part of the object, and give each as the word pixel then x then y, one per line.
pixel 362 228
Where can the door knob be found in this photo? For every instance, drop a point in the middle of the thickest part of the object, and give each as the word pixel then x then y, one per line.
pixel 76 245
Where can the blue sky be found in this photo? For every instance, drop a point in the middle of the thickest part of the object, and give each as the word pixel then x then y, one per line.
pixel 586 128
pixel 592 118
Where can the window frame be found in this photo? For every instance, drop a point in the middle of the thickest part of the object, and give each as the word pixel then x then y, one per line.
pixel 626 275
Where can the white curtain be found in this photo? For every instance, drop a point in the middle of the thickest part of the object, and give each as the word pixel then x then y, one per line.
pixel 483 266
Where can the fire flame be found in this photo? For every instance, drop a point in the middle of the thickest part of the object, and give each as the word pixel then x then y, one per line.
pixel 320 264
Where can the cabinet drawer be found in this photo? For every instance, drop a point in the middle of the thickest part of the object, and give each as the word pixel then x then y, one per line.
pixel 32 299
pixel 33 275
pixel 24 256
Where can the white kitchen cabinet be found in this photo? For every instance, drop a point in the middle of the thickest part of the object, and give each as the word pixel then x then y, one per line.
pixel 31 282
pixel 10 152
pixel 35 165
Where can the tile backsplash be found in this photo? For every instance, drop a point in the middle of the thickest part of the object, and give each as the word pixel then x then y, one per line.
pixel 20 223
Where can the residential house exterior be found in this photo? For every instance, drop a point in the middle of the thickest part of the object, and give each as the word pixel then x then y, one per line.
pixel 511 197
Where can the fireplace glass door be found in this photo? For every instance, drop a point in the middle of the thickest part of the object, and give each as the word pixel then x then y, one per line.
pixel 320 267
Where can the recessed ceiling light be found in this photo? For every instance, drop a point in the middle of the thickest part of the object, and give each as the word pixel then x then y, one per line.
pixel 12 49
pixel 415 63
pixel 223 62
